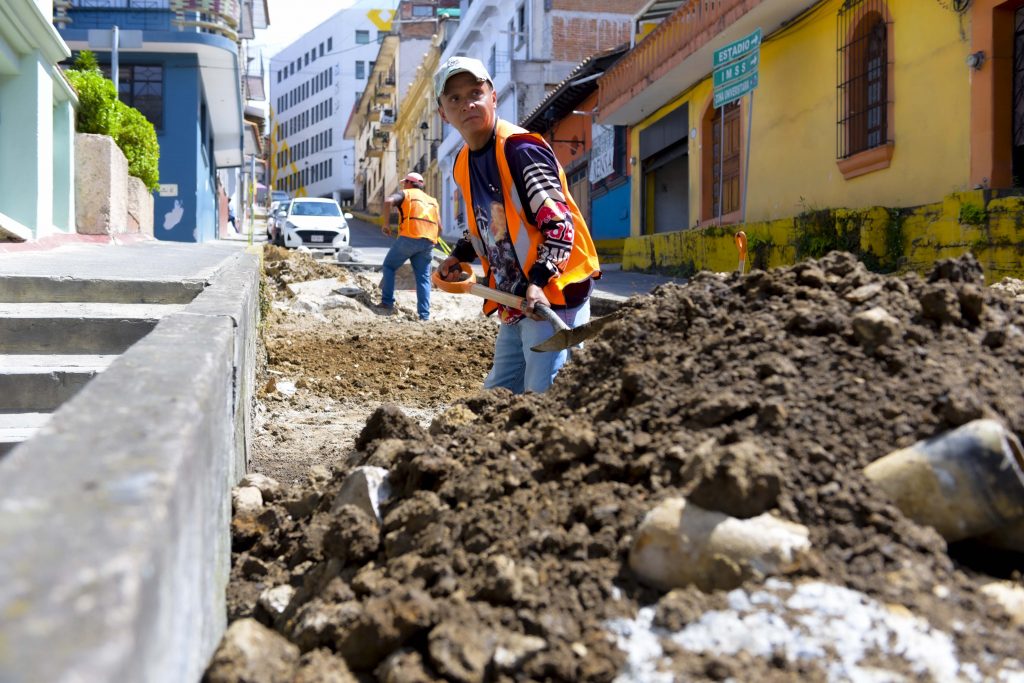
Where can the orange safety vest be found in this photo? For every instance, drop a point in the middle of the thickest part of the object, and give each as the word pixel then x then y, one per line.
pixel 526 238
pixel 420 215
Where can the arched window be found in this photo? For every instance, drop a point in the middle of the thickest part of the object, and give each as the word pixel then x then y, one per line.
pixel 865 83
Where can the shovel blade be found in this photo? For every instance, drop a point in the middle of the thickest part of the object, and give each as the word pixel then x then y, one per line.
pixel 565 339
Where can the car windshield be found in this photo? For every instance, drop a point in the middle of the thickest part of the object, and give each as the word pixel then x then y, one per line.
pixel 279 196
pixel 315 209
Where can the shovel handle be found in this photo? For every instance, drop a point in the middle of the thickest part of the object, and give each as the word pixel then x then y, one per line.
pixel 470 286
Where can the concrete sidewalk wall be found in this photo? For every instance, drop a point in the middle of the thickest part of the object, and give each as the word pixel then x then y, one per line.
pixel 114 519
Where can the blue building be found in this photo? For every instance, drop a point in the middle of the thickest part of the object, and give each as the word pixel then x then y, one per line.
pixel 178 63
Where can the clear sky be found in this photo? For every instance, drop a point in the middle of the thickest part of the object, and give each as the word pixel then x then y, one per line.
pixel 289 19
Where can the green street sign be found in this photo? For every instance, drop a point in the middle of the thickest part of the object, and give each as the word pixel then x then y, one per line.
pixel 734 91
pixel 737 50
pixel 734 70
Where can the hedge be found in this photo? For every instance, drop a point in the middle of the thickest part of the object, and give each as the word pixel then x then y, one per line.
pixel 101 113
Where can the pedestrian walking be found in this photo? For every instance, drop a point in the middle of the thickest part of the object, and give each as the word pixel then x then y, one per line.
pixel 523 225
pixel 418 232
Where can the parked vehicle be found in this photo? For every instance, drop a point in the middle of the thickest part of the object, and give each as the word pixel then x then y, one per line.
pixel 317 224
pixel 274 223
pixel 279 196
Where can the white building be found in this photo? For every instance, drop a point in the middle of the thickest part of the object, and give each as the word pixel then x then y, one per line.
pixel 314 83
pixel 529 47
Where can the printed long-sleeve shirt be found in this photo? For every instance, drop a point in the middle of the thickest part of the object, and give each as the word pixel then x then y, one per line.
pixel 535 173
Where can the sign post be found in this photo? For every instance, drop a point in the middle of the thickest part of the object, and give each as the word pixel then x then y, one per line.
pixel 735 75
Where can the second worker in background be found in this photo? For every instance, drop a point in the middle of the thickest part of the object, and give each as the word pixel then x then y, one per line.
pixel 418 231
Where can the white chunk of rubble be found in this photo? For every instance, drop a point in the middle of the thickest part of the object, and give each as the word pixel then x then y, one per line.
pixel 366 488
pixel 679 544
pixel 851 637
pixel 275 600
pixel 246 500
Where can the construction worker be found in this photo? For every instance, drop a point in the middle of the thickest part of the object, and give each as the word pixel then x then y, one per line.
pixel 418 231
pixel 522 223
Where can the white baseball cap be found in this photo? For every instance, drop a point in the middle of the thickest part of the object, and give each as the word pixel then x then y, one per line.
pixel 458 65
pixel 414 178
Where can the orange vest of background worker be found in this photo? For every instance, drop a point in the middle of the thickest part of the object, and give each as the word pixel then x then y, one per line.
pixel 418 231
pixel 420 215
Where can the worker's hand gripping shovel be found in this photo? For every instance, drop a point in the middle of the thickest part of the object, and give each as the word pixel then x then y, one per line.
pixel 565 337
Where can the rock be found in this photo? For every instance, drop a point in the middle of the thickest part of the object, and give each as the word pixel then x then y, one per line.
pixel 303 505
pixel 365 488
pixel 275 600
pixel 513 649
pixel 940 303
pixel 875 327
pixel 389 422
pixel 679 544
pixel 451 419
pixel 270 488
pixel 1009 596
pixel 286 388
pixel 246 500
pixel 964 483
pixel 404 666
pixel 353 535
pixel 740 479
pixel 252 653
pixel 461 651
pixel 320 666
pixel 318 474
pixel 863 293
pixel 811 276
pixel 502 583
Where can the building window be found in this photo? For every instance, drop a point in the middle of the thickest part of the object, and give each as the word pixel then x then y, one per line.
pixel 321 49
pixel 521 17
pixel 362 37
pixel 142 87
pixel 278 75
pixel 864 97
pixel 422 11
pixel 721 191
pixel 330 44
pixel 360 69
pixel 492 61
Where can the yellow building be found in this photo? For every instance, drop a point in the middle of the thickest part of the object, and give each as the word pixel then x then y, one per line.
pixel 858 104
pixel 418 126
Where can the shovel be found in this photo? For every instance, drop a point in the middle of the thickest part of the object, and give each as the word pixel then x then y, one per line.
pixel 564 337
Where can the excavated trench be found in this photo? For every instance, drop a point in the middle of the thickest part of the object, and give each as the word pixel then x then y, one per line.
pixel 502 551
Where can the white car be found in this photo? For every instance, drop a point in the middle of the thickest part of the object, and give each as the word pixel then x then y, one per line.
pixel 317 224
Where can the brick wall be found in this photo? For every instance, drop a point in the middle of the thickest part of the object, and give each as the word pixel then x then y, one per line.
pixel 574 38
pixel 626 7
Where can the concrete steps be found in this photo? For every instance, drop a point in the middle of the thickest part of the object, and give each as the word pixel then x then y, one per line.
pixel 36 383
pixel 49 350
pixel 71 327
pixel 18 427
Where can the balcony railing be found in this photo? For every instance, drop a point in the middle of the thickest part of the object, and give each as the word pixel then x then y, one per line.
pixel 220 17
pixel 681 34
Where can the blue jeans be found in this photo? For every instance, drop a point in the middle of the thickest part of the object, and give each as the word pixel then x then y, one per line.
pixel 417 251
pixel 519 369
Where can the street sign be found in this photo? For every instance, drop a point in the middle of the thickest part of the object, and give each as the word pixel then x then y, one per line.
pixel 734 91
pixel 737 50
pixel 734 70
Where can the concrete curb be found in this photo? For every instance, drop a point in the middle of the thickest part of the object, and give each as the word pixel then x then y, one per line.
pixel 115 517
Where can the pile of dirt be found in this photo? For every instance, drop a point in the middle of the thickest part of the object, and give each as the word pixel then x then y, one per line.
pixel 502 551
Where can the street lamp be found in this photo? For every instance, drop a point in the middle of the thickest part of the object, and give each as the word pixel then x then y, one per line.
pixel 424 126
